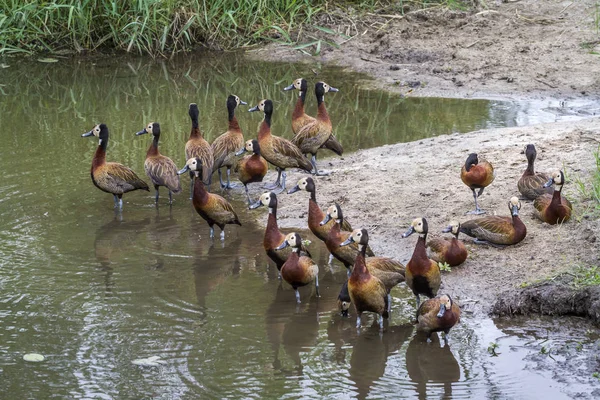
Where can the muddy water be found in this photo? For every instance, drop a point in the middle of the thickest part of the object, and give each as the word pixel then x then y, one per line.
pixel 92 290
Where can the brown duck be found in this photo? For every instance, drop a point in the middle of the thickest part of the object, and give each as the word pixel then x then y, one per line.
pixel 197 146
pixel 112 177
pixel 495 230
pixel 477 174
pixel 531 183
pixel 278 151
pixel 367 292
pixel 214 209
pixel 439 314
pixel 450 251
pixel 422 274
pixel 554 208
pixel 251 168
pixel 273 236
pixel 161 170
pixel 298 270
pixel 300 118
pixel 314 135
pixel 226 145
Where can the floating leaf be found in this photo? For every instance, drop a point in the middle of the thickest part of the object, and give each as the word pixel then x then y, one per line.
pixel 47 60
pixel 33 357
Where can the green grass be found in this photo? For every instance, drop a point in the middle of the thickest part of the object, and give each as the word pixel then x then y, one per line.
pixel 588 192
pixel 586 276
pixel 163 27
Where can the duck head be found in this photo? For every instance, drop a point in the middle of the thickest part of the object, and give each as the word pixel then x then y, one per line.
pixel 100 131
pixel 453 226
pixel 299 84
pixel 445 304
pixel 307 184
pixel 333 212
pixel 233 101
pixel 193 111
pixel 321 88
pixel 557 178
pixel 418 225
pixel 359 236
pixel 152 127
pixel 514 205
pixel 251 146
pixel 471 160
pixel 530 153
pixel 292 240
pixel 268 199
pixel 194 164
pixel 264 105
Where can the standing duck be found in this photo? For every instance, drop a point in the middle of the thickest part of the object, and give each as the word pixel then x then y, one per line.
pixel 495 230
pixel 197 146
pixel 477 174
pixel 214 209
pixel 438 315
pixel 273 236
pixel 298 270
pixel 367 292
pixel 300 118
pixel 251 168
pixel 314 134
pixel 422 274
pixel 278 151
pixel 225 146
pixel 111 177
pixel 554 208
pixel 315 215
pixel 161 170
pixel 531 184
pixel 451 251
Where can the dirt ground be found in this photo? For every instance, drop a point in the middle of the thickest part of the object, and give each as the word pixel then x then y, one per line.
pixel 515 49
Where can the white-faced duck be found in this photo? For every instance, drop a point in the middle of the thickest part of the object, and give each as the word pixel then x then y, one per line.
pixel 278 151
pixel 477 174
pixel 422 274
pixel 251 168
pixel 112 177
pixel 495 230
pixel 227 144
pixel 298 270
pixel 554 208
pixel 531 183
pixel 214 209
pixel 448 250
pixel 439 314
pixel 161 170
pixel 197 146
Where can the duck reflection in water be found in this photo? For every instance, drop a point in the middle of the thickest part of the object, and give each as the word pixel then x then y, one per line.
pixel 428 362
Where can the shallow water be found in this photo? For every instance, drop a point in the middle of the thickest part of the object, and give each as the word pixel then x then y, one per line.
pixel 92 290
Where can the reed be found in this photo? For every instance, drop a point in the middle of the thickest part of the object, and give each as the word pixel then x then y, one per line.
pixel 157 27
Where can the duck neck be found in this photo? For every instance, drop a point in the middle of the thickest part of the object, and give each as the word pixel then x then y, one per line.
pixel 420 249
pixel 530 170
pixel 360 267
pixel 195 133
pixel 265 127
pixel 233 122
pixel 556 195
pixel 153 149
pixel 299 108
pixel 321 110
pixel 100 155
pixel 200 193
pixel 313 195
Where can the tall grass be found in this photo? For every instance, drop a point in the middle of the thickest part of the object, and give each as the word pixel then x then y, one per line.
pixel 157 27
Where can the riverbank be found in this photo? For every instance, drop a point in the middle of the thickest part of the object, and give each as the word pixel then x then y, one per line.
pixel 522 49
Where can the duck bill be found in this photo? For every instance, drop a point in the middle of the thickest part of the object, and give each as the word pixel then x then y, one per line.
pixel 282 245
pixel 143 131
pixel 515 211
pixel 255 205
pixel 183 170
pixel 87 134
pixel 289 87
pixel 549 183
pixel 294 189
pixel 442 311
pixel 255 108
pixel 332 89
pixel 409 232
pixel 347 241
pixel 447 229
pixel 242 102
pixel 325 220
pixel 240 152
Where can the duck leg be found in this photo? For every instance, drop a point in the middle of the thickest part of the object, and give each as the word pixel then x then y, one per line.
pixel 222 234
pixel 317 285
pixel 223 186
pixel 297 296
pixel 330 259
pixel 389 303
pixel 358 321
pixel 156 195
pixel 118 202
pixel 276 183
pixel 247 195
pixel 380 320
pixel 229 184
pixel 170 197
pixel 477 210
pixel 212 232
pixel 315 171
pixel 282 188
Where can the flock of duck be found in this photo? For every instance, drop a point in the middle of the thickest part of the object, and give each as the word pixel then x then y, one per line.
pixel 370 277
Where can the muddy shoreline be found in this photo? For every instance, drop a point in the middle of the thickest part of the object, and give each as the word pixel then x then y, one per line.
pixel 507 52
